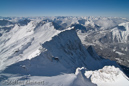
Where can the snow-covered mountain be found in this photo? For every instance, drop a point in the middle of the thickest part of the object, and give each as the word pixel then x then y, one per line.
pixel 46 49
pixel 110 38
pixel 119 34
pixel 41 39
pixel 107 76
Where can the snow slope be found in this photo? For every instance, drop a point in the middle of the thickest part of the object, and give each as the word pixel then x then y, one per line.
pixel 40 51
pixel 23 42
pixel 59 80
pixel 62 53
pixel 121 33
pixel 108 76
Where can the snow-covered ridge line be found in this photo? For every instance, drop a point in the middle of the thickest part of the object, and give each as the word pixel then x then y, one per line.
pixel 60 53
pixel 47 47
pixel 24 42
pixel 60 32
pixel 39 51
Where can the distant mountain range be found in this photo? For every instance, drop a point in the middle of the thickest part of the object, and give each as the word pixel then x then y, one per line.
pixel 66 51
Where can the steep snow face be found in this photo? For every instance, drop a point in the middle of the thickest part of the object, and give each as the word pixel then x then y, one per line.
pixel 41 51
pixel 23 42
pixel 40 41
pixel 108 76
pixel 72 53
pixel 121 33
pixel 62 53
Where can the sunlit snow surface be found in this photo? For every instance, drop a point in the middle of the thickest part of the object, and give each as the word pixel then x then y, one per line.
pixel 39 52
pixel 108 76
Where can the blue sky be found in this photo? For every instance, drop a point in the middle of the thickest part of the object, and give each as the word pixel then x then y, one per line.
pixel 118 8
